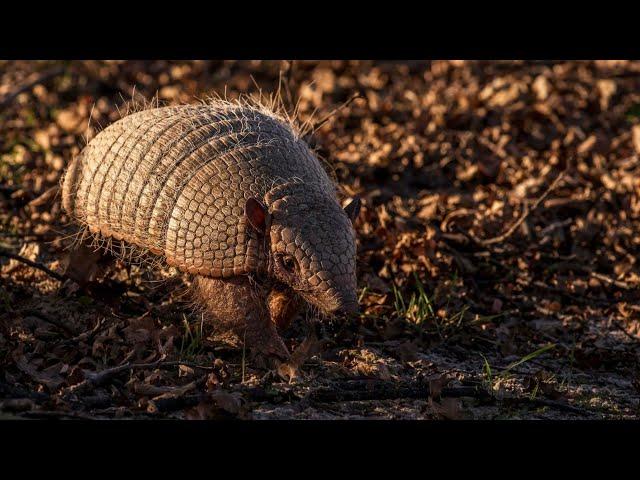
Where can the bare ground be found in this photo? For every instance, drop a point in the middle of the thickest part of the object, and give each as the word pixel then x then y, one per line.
pixel 498 248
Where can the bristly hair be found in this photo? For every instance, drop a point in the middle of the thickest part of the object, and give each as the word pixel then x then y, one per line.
pixel 273 104
pixel 119 249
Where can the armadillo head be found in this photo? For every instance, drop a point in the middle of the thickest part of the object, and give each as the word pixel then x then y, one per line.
pixel 312 244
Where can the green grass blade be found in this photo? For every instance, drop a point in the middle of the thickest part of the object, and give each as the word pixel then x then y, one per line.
pixel 530 356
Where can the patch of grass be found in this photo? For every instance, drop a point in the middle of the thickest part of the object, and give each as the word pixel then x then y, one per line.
pixel 534 392
pixel 489 377
pixel 486 374
pixel 363 293
pixel 482 319
pixel 191 343
pixel 420 310
pixel 455 320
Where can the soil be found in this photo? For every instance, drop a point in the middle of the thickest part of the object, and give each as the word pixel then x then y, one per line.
pixel 498 247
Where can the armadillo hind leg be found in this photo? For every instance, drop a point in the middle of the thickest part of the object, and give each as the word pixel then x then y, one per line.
pixel 236 306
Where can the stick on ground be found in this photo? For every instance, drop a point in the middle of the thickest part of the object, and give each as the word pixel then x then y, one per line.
pixel 99 378
pixel 39 266
pixel 501 238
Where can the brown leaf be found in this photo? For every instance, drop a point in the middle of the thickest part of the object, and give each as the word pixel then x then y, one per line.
pixel 540 87
pixel 49 378
pixel 635 134
pixel 69 120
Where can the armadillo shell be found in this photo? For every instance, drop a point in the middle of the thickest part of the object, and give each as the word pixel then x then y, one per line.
pixel 174 181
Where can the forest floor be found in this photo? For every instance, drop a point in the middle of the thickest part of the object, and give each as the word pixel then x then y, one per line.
pixel 498 248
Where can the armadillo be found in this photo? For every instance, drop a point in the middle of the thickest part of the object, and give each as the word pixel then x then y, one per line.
pixel 231 194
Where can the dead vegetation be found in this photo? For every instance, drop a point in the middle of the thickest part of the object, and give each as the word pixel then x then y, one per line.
pixel 498 247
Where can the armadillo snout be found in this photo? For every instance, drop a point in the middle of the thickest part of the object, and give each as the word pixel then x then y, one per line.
pixel 332 302
pixel 348 306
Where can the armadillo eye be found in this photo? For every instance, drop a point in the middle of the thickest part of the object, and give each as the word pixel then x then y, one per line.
pixel 289 264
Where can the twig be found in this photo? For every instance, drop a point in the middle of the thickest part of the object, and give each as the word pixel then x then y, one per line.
pixel 317 125
pixel 39 266
pixel 171 404
pixel 261 394
pixel 87 335
pixel 32 236
pixel 287 83
pixel 547 230
pixel 31 82
pixel 48 319
pixel 52 414
pixel 621 327
pixel 604 278
pixel 45 197
pixel 99 378
pixel 583 300
pixel 543 402
pixel 523 217
pixel 167 390
pixel 363 390
pixel 586 269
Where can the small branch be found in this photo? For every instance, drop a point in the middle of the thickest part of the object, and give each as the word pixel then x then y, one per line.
pixel 52 414
pixel 171 404
pixel 500 238
pixel 555 225
pixel 621 327
pixel 363 390
pixel 31 236
pixel 87 336
pixel 543 402
pixel 317 125
pixel 45 197
pixel 611 281
pixel 367 390
pixel 48 319
pixel 100 378
pixel 39 266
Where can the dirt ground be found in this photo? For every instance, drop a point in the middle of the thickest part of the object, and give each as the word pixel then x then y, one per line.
pixel 498 248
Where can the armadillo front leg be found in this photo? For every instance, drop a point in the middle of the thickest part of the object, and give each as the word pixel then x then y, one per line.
pixel 238 307
pixel 283 307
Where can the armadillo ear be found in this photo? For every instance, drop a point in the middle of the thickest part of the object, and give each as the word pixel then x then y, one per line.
pixel 353 209
pixel 256 214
